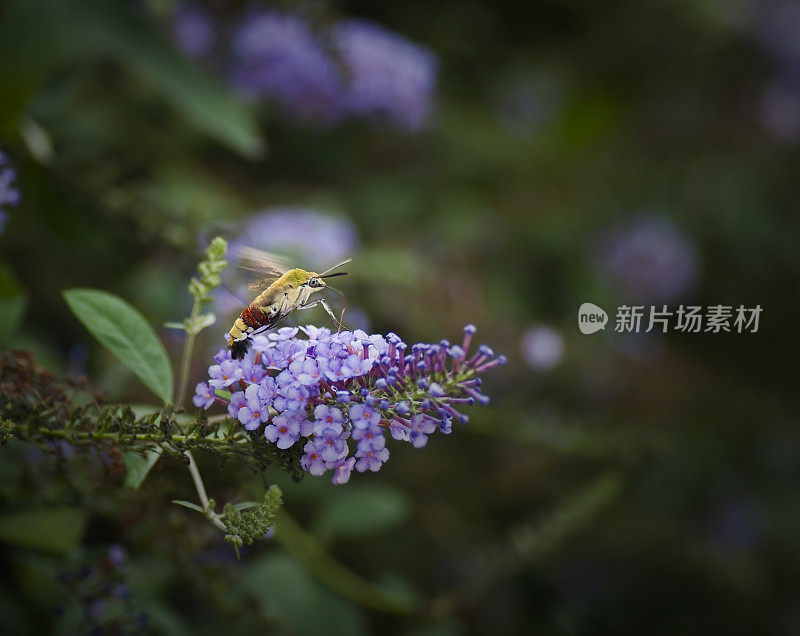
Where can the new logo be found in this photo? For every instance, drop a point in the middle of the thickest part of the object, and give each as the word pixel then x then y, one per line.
pixel 591 318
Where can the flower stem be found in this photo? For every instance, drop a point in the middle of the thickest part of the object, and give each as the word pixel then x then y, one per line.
pixel 201 492
pixel 188 348
pixel 117 436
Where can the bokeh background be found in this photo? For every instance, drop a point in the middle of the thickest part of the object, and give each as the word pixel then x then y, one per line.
pixel 495 163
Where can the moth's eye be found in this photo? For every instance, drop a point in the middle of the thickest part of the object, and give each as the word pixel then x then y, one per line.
pixel 313 283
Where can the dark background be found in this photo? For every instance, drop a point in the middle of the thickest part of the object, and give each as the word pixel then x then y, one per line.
pixel 620 153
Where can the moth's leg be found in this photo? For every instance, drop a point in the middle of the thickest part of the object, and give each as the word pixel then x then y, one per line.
pixel 309 305
pixel 325 306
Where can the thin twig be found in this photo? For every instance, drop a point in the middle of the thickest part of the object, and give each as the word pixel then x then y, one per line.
pixel 201 492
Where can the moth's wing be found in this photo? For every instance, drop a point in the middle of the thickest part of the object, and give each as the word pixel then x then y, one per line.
pixel 266 265
pixel 260 284
pixel 233 293
pixel 257 260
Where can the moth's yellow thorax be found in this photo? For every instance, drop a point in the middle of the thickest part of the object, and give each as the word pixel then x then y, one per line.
pixel 286 292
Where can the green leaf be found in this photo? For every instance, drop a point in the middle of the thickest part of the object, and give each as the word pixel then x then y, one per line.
pixel 357 512
pixel 306 549
pixel 175 325
pixel 56 530
pixel 125 332
pixel 189 504
pixel 12 305
pixel 117 29
pixel 34 46
pixel 164 620
pixel 139 467
pixel 285 592
pixel 204 320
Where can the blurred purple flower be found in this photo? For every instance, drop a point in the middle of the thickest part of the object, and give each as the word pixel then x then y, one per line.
pixel 279 56
pixel 117 556
pixel 192 29
pixel 9 195
pixel 776 28
pixel 390 78
pixel 779 112
pixel 736 518
pixel 319 240
pixel 739 524
pixel 647 259
pixel 542 347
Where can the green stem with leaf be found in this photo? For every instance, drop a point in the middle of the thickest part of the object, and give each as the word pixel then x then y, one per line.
pixel 201 290
pixel 188 349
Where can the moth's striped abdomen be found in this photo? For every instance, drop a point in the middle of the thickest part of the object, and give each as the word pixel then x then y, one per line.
pixel 250 320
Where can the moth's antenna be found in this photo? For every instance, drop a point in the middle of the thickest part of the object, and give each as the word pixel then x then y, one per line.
pixel 332 275
pixel 337 266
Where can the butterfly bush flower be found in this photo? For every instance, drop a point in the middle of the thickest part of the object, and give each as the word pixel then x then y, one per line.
pixel 192 29
pixel 390 78
pixel 9 195
pixel 204 396
pixel 225 374
pixel 342 395
pixel 277 55
pixel 357 68
pixel 648 259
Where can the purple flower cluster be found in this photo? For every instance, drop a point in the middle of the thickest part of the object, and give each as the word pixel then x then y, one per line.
pixel 339 394
pixel 9 195
pixel 279 56
pixel 390 78
pixel 358 69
